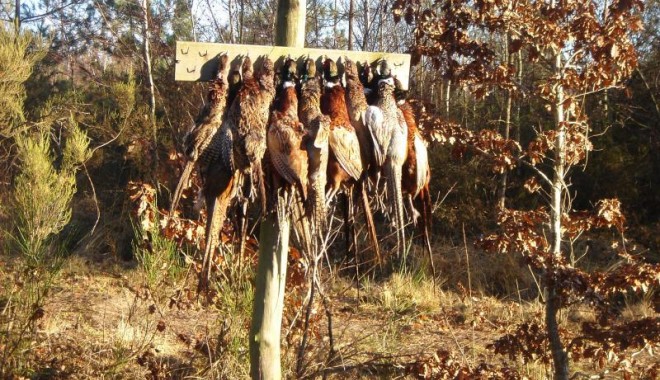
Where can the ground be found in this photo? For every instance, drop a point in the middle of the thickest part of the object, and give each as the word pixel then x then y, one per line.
pixel 101 319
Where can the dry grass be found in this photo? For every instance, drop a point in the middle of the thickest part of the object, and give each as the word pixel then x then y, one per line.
pixel 102 320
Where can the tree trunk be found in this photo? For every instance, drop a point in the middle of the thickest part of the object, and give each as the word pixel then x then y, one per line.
pixel 274 239
pixel 146 35
pixel 559 355
pixel 380 29
pixel 269 298
pixel 501 201
pixel 351 17
pixel 519 75
pixel 241 16
pixel 230 13
pixel 290 25
pixel 447 97
pixel 365 37
pixel 17 18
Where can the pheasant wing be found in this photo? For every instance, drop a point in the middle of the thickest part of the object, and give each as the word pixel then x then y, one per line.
pixel 380 134
pixel 398 147
pixel 283 146
pixel 346 147
pixel 422 156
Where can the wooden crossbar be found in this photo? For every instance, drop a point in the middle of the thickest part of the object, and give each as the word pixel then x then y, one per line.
pixel 197 61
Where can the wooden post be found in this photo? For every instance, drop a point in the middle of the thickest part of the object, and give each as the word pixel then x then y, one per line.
pixel 274 239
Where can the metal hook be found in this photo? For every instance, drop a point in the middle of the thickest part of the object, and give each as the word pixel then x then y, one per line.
pixel 191 71
pixel 185 52
pixel 206 52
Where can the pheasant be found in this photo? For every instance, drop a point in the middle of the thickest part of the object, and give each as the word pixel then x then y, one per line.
pixel 416 175
pixel 244 128
pixel 237 150
pixel 389 131
pixel 235 82
pixel 366 77
pixel 357 106
pixel 287 152
pixel 285 135
pixel 344 163
pixel 317 126
pixel 197 140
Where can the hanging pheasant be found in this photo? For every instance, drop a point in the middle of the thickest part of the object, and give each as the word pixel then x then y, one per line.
pixel 416 173
pixel 197 140
pixel 318 130
pixel 367 79
pixel 389 131
pixel 345 160
pixel 237 151
pixel 357 107
pixel 345 163
pixel 287 153
pixel 285 136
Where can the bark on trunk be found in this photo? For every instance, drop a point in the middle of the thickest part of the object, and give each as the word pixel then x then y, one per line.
pixel 146 36
pixel 559 355
pixel 17 18
pixel 447 97
pixel 269 299
pixel 274 239
pixel 241 16
pixel 501 202
pixel 290 25
pixel 365 37
pixel 351 17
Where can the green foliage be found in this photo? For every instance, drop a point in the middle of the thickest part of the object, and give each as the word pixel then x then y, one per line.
pixel 41 202
pixel 123 93
pixel 157 255
pixel 41 197
pixel 76 151
pixel 18 55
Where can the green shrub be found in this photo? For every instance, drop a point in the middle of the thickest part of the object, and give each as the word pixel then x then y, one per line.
pixel 18 55
pixel 41 202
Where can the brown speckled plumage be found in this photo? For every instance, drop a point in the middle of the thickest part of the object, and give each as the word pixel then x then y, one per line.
pixel 238 149
pixel 197 142
pixel 285 136
pixel 317 144
pixel 390 132
pixel 416 176
pixel 345 161
pixel 357 106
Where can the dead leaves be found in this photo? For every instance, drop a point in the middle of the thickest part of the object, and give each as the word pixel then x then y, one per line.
pixel 443 365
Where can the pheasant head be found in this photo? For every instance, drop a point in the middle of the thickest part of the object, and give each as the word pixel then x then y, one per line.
pixel 288 73
pixel 266 75
pixel 366 75
pixel 234 78
pixel 309 70
pixel 330 71
pixel 350 69
pixel 246 68
pixel 223 61
pixel 386 86
pixel 384 69
pixel 399 93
